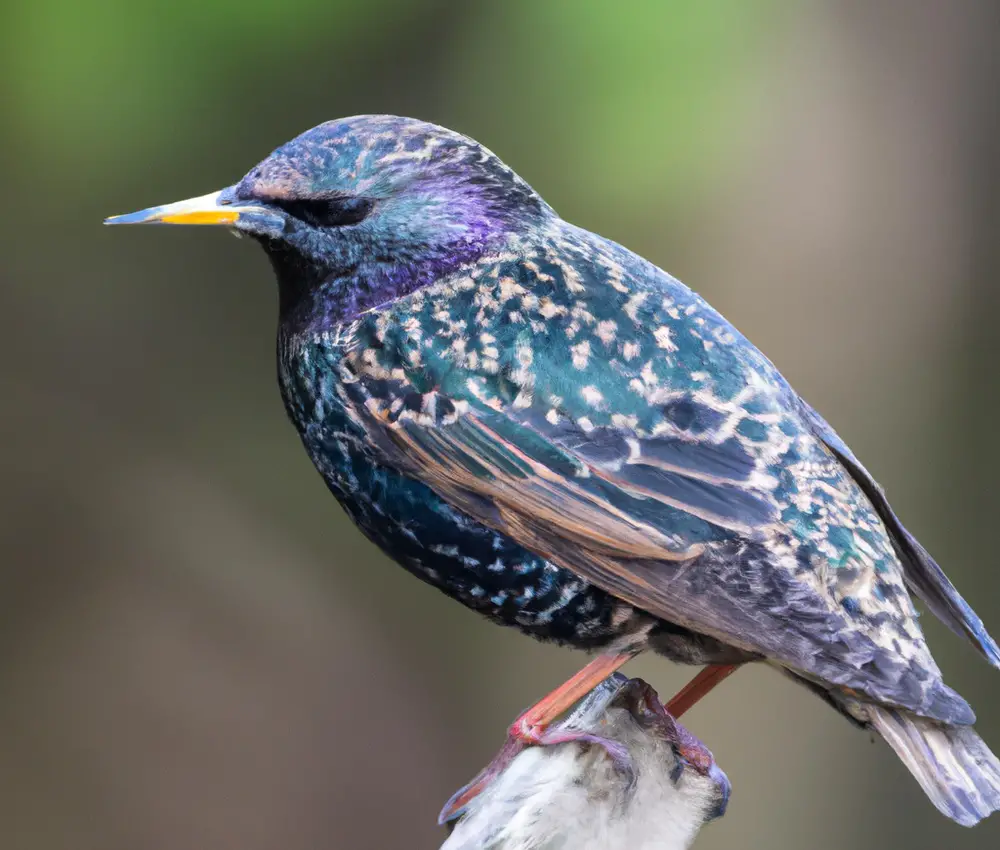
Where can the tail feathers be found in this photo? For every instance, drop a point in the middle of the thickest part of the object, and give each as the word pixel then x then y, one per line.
pixel 952 763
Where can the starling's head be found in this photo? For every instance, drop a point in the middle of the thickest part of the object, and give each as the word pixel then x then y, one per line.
pixel 356 212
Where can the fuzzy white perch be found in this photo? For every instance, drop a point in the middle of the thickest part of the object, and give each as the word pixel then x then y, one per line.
pixel 657 791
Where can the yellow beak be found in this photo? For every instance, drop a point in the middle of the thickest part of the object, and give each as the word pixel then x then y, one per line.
pixel 214 208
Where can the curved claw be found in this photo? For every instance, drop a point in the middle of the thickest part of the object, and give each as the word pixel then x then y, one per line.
pixel 458 802
pixel 718 776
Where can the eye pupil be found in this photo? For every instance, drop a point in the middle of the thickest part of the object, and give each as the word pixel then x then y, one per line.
pixel 329 212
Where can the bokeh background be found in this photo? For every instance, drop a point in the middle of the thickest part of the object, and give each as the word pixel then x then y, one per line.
pixel 196 648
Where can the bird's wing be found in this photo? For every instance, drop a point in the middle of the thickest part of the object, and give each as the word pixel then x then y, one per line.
pixel 921 571
pixel 606 418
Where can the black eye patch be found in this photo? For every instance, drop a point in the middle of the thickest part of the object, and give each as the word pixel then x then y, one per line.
pixel 328 212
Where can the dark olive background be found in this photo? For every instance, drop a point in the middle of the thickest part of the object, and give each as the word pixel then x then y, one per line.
pixel 197 650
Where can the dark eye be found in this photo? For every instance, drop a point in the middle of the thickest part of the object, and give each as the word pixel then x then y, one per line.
pixel 328 212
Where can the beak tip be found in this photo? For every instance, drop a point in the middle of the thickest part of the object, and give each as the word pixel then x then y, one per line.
pixel 131 218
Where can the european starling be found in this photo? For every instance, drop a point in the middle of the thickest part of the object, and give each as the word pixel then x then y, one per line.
pixel 562 436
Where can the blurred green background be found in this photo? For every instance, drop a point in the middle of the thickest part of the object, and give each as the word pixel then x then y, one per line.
pixel 196 648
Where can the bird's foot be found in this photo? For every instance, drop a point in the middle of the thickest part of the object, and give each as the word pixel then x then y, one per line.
pixel 533 729
pixel 521 735
pixel 643 703
pixel 541 735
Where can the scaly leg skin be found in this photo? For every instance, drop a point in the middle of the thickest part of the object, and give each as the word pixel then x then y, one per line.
pixel 699 687
pixel 531 725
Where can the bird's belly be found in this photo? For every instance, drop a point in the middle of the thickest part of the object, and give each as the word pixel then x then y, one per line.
pixel 479 567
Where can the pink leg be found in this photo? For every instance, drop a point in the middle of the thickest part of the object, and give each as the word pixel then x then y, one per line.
pixel 698 687
pixel 530 726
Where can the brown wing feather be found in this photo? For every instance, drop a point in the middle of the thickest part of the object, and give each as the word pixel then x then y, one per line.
pixel 541 504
